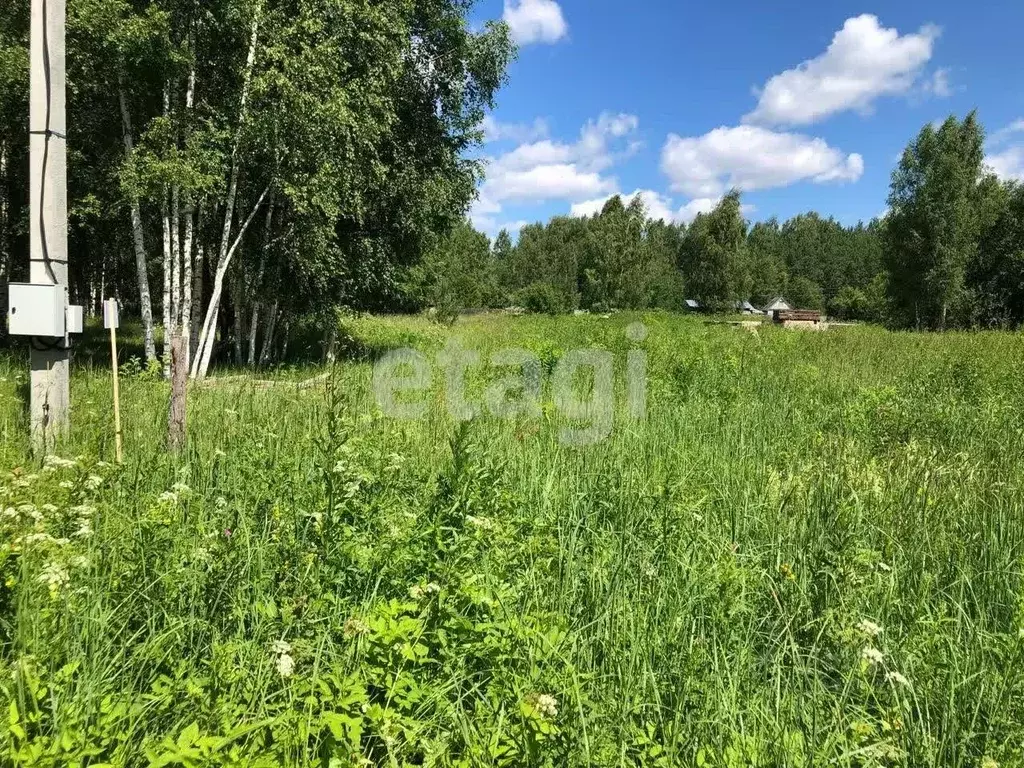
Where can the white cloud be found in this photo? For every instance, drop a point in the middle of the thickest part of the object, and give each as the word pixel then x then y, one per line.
pixel 1008 164
pixel 563 181
pixel 1017 126
pixel 864 61
pixel 551 170
pixel 495 130
pixel 535 21
pixel 939 84
pixel 749 157
pixel 1005 158
pixel 658 206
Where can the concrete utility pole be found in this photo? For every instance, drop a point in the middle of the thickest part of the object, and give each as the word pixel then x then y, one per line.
pixel 48 225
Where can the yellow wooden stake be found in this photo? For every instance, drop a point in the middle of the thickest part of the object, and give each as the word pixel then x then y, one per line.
pixel 110 316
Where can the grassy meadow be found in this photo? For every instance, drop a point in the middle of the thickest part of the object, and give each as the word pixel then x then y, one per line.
pixel 810 552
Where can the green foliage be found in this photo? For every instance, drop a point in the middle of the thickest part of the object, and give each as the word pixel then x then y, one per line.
pixel 457 273
pixel 713 255
pixel 934 224
pixel 808 553
pixel 850 304
pixel 804 293
pixel 541 298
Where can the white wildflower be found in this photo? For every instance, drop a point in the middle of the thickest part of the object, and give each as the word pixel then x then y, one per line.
pixel 545 704
pixel 483 523
pixel 168 497
pixel 50 509
pixel 872 655
pixel 285 665
pixel 10 513
pixel 55 577
pixel 83 510
pixel 219 453
pixel 869 628
pixel 416 592
pixel 433 589
pixel 80 561
pixel 84 529
pixel 281 647
pixel 93 482
pixel 67 485
pixel 181 488
pixel 221 502
pixel 58 463
pixel 102 465
pixel 896 677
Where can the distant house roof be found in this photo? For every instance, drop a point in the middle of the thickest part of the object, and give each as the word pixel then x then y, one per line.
pixel 692 304
pixel 745 306
pixel 779 302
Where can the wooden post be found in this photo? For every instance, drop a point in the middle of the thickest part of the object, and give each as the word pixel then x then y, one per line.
pixel 117 395
pixel 179 379
pixel 111 321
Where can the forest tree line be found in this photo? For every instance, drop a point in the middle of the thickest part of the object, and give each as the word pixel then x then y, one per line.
pixel 949 253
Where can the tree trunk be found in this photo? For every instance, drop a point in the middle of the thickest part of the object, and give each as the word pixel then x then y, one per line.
pixel 201 362
pixel 168 323
pixel 141 267
pixel 176 257
pixel 284 342
pixel 197 293
pixel 258 286
pixel 5 187
pixel 268 335
pixel 177 415
pixel 237 303
pixel 185 310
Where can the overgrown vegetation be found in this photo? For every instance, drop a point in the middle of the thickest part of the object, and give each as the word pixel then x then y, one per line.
pixel 809 553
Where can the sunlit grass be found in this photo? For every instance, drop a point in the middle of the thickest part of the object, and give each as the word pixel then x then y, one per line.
pixel 809 553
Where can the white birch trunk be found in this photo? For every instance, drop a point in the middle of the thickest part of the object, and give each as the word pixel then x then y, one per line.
pixel 167 284
pixel 141 267
pixel 185 309
pixel 175 260
pixel 238 301
pixel 201 361
pixel 4 186
pixel 185 316
pixel 268 335
pixel 254 320
pixel 197 292
pixel 168 257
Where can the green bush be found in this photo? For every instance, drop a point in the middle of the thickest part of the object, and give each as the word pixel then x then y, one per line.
pixel 542 298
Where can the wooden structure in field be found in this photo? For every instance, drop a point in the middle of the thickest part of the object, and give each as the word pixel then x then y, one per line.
pixel 797 318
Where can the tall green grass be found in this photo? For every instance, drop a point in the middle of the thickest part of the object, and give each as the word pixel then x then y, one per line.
pixel 809 553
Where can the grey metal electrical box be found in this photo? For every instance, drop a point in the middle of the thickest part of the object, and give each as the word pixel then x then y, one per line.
pixel 36 310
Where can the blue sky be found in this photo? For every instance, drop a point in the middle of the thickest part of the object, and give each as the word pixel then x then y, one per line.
pixel 802 105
